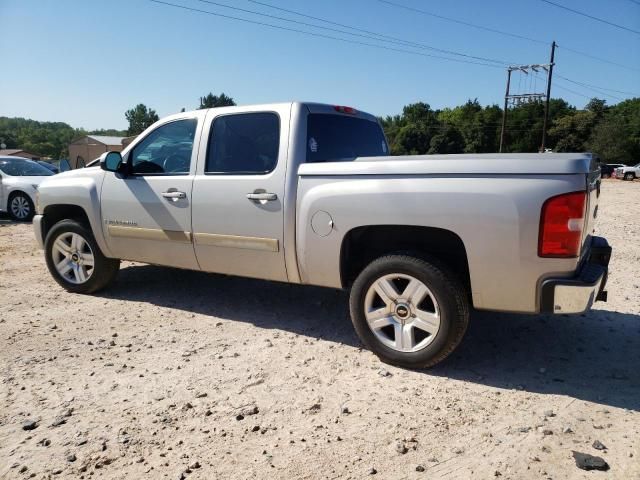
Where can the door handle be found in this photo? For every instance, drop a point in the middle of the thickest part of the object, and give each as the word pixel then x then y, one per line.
pixel 269 197
pixel 174 195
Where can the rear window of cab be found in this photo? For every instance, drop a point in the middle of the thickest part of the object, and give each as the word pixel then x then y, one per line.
pixel 339 138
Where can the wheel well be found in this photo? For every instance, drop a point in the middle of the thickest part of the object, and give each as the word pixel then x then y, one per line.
pixel 17 192
pixel 54 213
pixel 362 245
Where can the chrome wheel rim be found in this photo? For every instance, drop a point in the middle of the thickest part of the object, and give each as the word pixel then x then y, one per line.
pixel 402 312
pixel 73 257
pixel 20 207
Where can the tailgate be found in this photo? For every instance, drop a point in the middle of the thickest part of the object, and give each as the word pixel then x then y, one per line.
pixel 593 196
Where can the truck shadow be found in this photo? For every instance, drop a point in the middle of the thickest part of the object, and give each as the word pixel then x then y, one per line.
pixel 593 357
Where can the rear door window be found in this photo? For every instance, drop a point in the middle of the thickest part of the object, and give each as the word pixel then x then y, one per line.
pixel 335 138
pixel 244 144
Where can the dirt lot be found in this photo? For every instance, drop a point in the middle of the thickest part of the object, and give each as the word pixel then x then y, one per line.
pixel 186 375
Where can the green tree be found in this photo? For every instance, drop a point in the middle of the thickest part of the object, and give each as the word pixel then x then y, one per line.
pixel 47 139
pixel 211 101
pixel 410 133
pixel 610 141
pixel 140 117
pixel 479 127
pixel 412 139
pixel 597 107
pixel 111 132
pixel 616 137
pixel 571 132
pixel 447 140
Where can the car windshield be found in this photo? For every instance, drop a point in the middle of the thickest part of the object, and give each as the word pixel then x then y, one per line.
pixel 17 167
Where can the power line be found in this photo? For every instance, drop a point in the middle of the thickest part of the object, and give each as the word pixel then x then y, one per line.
pixel 407 42
pixel 357 29
pixel 508 34
pixel 321 35
pixel 597 19
pixel 599 92
pixel 468 24
pixel 588 85
pixel 604 60
pixel 369 35
pixel 572 91
pixel 330 22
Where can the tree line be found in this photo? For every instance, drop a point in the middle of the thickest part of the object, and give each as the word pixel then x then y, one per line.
pixel 52 139
pixel 613 132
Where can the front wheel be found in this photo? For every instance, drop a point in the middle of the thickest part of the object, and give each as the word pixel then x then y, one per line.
pixel 21 207
pixel 629 176
pixel 408 311
pixel 75 260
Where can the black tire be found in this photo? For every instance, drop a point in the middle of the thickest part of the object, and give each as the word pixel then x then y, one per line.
pixel 449 293
pixel 21 196
pixel 629 176
pixel 104 269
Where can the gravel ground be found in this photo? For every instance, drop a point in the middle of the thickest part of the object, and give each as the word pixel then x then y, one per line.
pixel 181 374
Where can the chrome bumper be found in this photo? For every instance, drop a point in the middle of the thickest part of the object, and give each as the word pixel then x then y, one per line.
pixel 577 295
pixel 37 229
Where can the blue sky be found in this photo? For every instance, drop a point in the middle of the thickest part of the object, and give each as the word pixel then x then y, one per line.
pixel 85 62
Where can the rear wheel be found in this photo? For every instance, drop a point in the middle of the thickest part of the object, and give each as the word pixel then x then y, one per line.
pixel 629 176
pixel 408 311
pixel 21 207
pixel 75 260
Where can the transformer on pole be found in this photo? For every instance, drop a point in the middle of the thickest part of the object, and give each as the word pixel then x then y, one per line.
pixel 530 96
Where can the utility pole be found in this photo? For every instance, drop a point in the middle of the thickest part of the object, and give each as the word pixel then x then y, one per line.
pixel 546 103
pixel 504 112
pixel 527 97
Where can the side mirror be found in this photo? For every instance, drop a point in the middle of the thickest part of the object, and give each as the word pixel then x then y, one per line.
pixel 111 161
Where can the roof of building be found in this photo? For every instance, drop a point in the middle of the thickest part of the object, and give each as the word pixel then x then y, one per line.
pixel 106 140
pixel 11 151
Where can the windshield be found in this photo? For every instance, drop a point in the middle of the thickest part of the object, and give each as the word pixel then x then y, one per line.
pixel 333 138
pixel 17 167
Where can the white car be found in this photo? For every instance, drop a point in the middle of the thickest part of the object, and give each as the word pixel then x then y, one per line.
pixel 19 180
pixel 628 172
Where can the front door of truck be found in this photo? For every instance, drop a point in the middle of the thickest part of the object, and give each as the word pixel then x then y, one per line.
pixel 238 194
pixel 147 214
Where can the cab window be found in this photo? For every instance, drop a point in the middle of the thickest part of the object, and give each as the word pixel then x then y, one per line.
pixel 166 150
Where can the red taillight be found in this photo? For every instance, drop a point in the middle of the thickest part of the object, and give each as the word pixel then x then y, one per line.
pixel 347 110
pixel 561 225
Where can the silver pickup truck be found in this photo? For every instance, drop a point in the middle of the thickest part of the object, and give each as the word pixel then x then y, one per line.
pixel 307 193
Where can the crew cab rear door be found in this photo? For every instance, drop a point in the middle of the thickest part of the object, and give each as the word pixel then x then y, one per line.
pixel 147 214
pixel 239 192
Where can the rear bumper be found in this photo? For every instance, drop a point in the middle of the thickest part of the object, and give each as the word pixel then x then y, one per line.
pixel 37 229
pixel 576 295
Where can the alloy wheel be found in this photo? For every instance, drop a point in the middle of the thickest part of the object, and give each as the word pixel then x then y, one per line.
pixel 402 312
pixel 73 257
